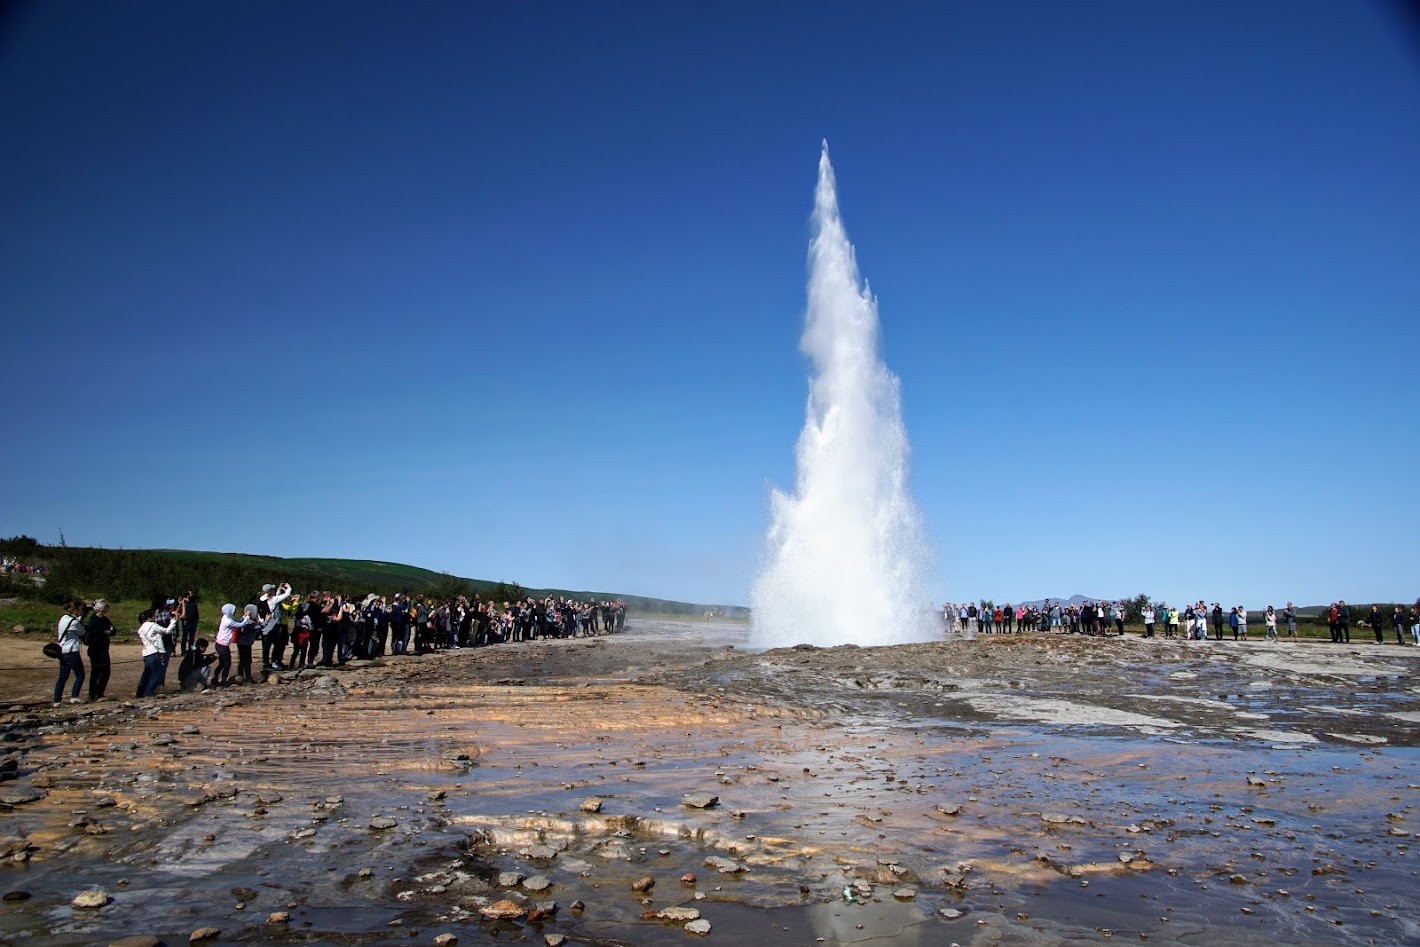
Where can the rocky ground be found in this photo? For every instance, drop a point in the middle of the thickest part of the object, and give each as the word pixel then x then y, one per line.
pixel 665 785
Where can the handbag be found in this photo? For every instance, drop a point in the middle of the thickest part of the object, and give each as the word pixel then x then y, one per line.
pixel 52 650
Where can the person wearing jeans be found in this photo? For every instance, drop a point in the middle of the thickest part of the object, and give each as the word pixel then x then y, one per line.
pixel 155 653
pixel 70 633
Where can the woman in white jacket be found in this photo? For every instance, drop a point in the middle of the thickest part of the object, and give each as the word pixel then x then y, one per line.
pixel 227 630
pixel 154 652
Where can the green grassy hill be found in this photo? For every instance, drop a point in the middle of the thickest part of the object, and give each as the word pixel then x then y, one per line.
pixel 139 574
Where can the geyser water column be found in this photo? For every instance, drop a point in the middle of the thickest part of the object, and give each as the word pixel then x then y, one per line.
pixel 845 555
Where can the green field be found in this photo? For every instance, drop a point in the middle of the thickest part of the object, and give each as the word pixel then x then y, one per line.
pixel 131 578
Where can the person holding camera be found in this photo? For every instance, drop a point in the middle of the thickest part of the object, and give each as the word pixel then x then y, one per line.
pixel 71 635
pixel 273 629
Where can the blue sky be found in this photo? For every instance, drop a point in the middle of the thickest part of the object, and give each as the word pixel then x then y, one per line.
pixel 515 289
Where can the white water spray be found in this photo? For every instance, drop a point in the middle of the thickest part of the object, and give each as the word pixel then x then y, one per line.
pixel 846 555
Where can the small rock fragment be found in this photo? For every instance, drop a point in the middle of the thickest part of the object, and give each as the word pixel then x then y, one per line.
pixel 701 927
pixel 643 884
pixel 93 898
pixel 381 822
pixel 278 917
pixel 503 910
pixel 445 940
pixel 592 805
pixel 203 933
pixel 699 800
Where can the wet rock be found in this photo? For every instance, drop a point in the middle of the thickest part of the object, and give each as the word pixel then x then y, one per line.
pixel 537 883
pixel 191 731
pixel 591 805
pixel 503 910
pixel 643 884
pixel 365 872
pixel 16 896
pixel 723 865
pixel 1238 879
pixel 678 915
pixel 953 808
pixel 541 853
pixel 13 845
pixel 163 739
pixel 18 797
pixel 278 917
pixel 136 940
pixel 543 911
pixel 905 894
pixel 303 833
pixel 701 927
pixel 436 795
pixel 445 940
pixel 700 800
pixel 268 797
pixel 579 905
pixel 1255 782
pixel 381 822
pixel 203 933
pixel 950 914
pixel 93 898
pixel 510 879
pixel 554 940
pixel 688 878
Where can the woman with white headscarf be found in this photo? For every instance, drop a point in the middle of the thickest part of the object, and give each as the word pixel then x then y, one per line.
pixel 227 630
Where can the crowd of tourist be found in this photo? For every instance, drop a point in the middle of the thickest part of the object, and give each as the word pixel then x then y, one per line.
pixel 9 566
pixel 1192 621
pixel 322 629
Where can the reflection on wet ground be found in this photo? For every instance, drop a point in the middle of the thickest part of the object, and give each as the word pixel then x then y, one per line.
pixel 1020 792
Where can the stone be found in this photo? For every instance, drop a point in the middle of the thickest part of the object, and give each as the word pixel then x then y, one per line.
pixel 700 800
pixel 953 808
pixel 13 845
pixel 503 910
pixel 191 731
pixel 554 940
pixel 16 896
pixel 950 914
pixel 701 927
pixel 203 933
pixel 303 833
pixel 163 739
pixel 723 865
pixel 510 879
pixel 445 940
pixel 18 797
pixel 1255 782
pixel 643 884
pixel 688 878
pixel 537 883
pixel 93 898
pixel 679 915
pixel 541 853
pixel 905 894
pixel 592 805
pixel 365 872
pixel 436 795
pixel 136 940
pixel 268 797
pixel 381 822
pixel 278 917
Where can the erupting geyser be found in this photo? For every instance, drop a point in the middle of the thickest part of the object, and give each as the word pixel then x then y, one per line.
pixel 846 555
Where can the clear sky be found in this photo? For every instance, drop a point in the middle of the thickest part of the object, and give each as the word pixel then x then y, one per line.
pixel 514 290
